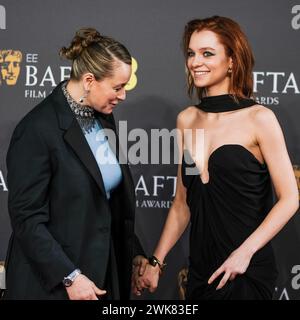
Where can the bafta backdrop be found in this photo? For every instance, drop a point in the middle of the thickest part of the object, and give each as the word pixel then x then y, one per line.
pixel 32 32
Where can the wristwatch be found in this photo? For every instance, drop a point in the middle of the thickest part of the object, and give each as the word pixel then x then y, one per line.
pixel 68 281
pixel 153 261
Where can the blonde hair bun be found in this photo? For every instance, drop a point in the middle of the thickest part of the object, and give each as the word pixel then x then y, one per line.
pixel 82 39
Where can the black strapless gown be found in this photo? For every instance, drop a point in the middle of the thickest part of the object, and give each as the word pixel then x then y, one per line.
pixel 224 212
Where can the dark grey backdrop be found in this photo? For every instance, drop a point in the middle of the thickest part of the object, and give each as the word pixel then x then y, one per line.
pixel 152 31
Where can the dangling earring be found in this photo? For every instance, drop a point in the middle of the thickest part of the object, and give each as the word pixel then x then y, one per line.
pixel 229 71
pixel 84 96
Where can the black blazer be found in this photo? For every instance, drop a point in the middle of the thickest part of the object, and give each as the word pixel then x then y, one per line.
pixel 59 212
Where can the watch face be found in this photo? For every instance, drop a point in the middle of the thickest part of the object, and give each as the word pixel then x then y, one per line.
pixel 67 282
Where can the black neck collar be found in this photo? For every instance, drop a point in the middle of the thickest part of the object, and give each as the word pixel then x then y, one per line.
pixel 223 103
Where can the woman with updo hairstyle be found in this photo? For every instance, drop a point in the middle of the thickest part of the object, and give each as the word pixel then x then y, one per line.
pixel 71 200
pixel 236 152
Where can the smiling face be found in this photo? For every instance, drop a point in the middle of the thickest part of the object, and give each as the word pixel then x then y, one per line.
pixel 104 95
pixel 208 63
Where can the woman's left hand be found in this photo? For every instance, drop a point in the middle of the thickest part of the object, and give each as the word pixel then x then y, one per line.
pixel 236 263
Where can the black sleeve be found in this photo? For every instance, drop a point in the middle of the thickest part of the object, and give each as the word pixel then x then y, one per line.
pixel 29 176
pixel 137 247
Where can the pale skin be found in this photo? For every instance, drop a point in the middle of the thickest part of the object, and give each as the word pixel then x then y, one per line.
pixel 260 133
pixel 139 264
pixel 85 289
pixel 102 95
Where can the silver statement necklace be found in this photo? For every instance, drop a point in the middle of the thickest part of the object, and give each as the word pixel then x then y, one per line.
pixel 85 115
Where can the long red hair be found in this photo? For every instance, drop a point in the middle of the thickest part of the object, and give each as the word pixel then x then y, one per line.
pixel 236 46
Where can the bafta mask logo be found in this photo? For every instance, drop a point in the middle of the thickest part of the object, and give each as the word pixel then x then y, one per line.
pixel 182 282
pixel 10 61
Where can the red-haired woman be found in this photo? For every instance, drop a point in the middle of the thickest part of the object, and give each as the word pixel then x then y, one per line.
pixel 229 199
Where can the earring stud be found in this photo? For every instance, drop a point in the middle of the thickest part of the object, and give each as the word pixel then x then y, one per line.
pixel 84 96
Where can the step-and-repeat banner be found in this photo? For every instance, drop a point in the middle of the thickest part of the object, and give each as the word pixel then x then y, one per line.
pixel 33 31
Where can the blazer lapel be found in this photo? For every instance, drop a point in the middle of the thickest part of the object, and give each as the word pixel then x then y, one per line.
pixel 75 137
pixel 108 122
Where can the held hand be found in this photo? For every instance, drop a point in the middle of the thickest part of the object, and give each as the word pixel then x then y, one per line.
pixel 138 268
pixel 150 278
pixel 139 264
pixel 84 289
pixel 236 263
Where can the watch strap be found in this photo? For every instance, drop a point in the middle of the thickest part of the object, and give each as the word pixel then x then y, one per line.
pixel 68 280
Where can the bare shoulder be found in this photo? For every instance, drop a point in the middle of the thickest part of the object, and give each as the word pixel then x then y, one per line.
pixel 263 116
pixel 266 126
pixel 187 117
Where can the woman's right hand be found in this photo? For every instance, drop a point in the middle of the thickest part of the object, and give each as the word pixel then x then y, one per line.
pixel 84 289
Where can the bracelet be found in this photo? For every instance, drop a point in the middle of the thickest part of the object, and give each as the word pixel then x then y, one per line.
pixel 153 261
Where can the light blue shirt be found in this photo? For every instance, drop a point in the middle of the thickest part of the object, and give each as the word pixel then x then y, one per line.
pixel 105 157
